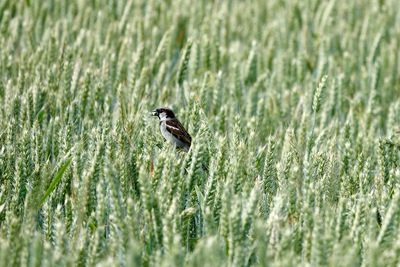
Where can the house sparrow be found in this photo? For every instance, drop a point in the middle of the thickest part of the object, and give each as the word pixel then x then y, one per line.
pixel 172 129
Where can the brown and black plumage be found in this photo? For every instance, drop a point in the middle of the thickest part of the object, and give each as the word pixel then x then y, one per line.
pixel 172 130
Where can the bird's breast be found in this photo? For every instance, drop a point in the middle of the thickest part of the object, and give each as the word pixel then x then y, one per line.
pixel 167 135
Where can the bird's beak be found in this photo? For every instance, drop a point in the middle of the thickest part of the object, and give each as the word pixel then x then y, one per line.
pixel 154 113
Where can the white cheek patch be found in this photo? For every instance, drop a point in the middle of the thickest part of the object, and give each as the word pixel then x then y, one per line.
pixel 163 115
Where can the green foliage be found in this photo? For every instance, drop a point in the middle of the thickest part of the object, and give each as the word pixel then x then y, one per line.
pixel 294 111
pixel 56 179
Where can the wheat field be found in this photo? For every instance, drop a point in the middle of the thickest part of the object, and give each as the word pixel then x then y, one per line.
pixel 293 107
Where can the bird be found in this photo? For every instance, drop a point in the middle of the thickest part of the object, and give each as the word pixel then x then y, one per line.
pixel 172 130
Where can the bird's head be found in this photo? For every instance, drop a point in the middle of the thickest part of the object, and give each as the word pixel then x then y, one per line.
pixel 163 113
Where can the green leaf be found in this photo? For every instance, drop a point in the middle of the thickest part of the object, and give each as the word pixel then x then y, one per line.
pixel 56 179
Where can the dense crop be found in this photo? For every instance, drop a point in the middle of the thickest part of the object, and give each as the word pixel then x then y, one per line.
pixel 293 106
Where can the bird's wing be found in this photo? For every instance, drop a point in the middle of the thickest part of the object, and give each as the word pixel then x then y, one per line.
pixel 177 130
